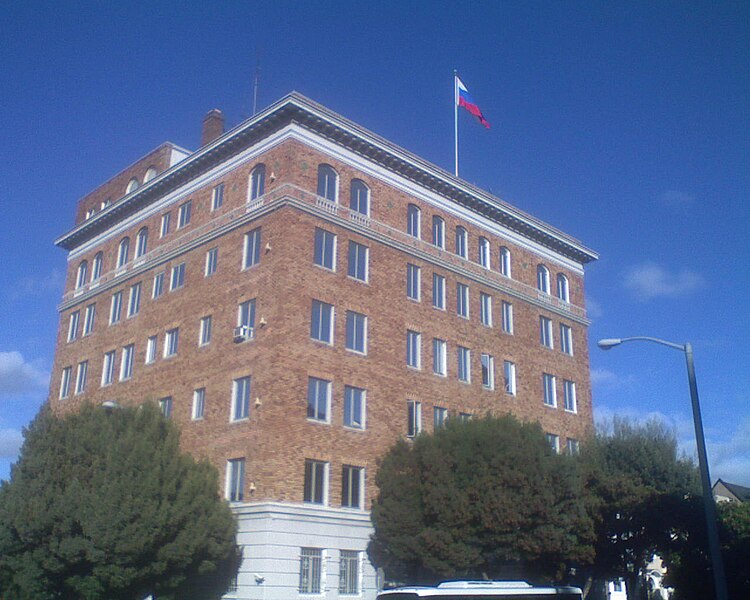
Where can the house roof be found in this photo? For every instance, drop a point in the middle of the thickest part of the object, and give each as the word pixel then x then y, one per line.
pixel 740 491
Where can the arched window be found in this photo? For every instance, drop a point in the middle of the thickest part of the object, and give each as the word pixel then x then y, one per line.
pixel 505 262
pixel 413 221
pixel 132 185
pixel 258 182
pixel 150 174
pixel 438 232
pixel 484 252
pixel 106 203
pixel 83 268
pixel 96 267
pixel 360 197
pixel 122 252
pixel 462 242
pixel 328 181
pixel 542 279
pixel 563 289
pixel 141 242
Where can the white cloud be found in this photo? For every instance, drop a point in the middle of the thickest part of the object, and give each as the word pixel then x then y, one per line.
pixel 32 285
pixel 593 309
pixel 19 377
pixel 602 377
pixel 730 459
pixel 650 280
pixel 677 199
pixel 10 443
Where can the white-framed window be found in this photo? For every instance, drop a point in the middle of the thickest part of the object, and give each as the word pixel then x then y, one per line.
pixel 81 274
pixel 507 317
pixel 462 242
pixel 217 197
pixel 184 213
pixel 132 185
pixel 352 487
pixel 126 362
pixel 241 398
pixel 485 309
pixel 563 288
pixel 464 417
pixel 108 368
pixel 440 416
pixel 316 482
pixel 106 203
pixel 96 266
pixel 414 221
pixel 414 349
pixel 151 349
pixel 81 376
pixel 358 261
pixel 310 571
pixel 212 261
pixel 572 447
pixel 89 318
pixel 566 339
pixel 328 183
pixel 158 287
pixel 178 277
pixel 75 317
pixel 65 382
pixel 542 279
pixel 115 309
pixel 462 300
pixel 164 227
pixel 134 302
pixel 321 322
pixel 359 199
pixel 505 264
pixel 488 371
pixel 484 252
pixel 246 314
pixel 204 335
pixel 199 404
pixel 141 242
pixel 413 418
pixel 439 357
pixel 549 387
pixel 349 561
pixel 569 396
pixel 356 332
pixel 413 282
pixel 554 442
pixel 438 232
pixel 150 174
pixel 123 251
pixel 354 407
pixel 509 377
pixel 464 364
pixel 257 182
pixel 235 486
pixel 318 399
pixel 251 248
pixel 171 341
pixel 545 332
pixel 438 291
pixel 324 254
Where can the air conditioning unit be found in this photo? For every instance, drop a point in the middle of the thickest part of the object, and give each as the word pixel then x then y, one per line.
pixel 242 333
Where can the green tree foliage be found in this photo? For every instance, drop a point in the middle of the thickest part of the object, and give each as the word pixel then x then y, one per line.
pixel 487 497
pixel 102 505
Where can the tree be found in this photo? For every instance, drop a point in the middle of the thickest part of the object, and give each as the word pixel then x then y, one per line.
pixel 103 505
pixel 482 498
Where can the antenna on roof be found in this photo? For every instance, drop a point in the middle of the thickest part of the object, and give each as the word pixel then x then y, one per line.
pixel 257 80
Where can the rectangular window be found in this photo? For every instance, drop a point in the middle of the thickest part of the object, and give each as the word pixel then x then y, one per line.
pixel 108 368
pixel 65 382
pixel 81 376
pixel 438 291
pixel 462 300
pixel 115 309
pixel 251 249
pixel 464 364
pixel 356 332
pixel 171 341
pixel 217 197
pixel 246 314
pixel 165 406
pixel 463 417
pixel 183 214
pixel 126 363
pixel 318 399
pixel 324 254
pixel 352 480
pixel 439 357
pixel 485 309
pixel 553 441
pixel 151 349
pixel 414 418
pixel 241 398
pixel 134 303
pixel 199 403
pixel 413 349
pixel 569 396
pixel 235 479
pixel 509 377
pixel 89 318
pixel 566 339
pixel 550 393
pixel 73 325
pixel 310 571
pixel 349 573
pixel 545 332
pixel 413 282
pixel 572 447
pixel 354 407
pixel 212 260
pixel 164 229
pixel 440 417
pixel 178 277
pixel 488 371
pixel 358 261
pixel 204 337
pixel 321 322
pixel 158 288
pixel 316 484
pixel 507 317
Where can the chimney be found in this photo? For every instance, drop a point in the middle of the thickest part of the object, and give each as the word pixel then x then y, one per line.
pixel 213 126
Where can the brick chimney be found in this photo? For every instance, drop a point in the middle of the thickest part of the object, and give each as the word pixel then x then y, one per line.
pixel 213 126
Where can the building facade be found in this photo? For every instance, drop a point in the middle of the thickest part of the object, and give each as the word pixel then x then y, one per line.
pixel 299 293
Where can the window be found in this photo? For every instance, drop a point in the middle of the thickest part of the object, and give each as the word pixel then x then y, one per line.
pixel 241 398
pixel 134 303
pixel 354 407
pixel 569 396
pixel 321 322
pixel 358 261
pixel 438 232
pixel 414 418
pixel 509 377
pixel 440 416
pixel 324 254
pixel 542 279
pixel 413 221
pixel 204 337
pixel 83 268
pixel 359 200
pixel 485 309
pixel 462 242
pixel 141 242
pixel 438 291
pixel 126 362
pixel 212 259
pixel 96 266
pixel 507 317
pixel 413 349
pixel 464 417
pixel 171 341
pixel 563 289
pixel 158 288
pixel 352 479
pixel 310 571
pixel 178 277
pixel 235 479
pixel 151 349
pixel 251 249
pixel 356 332
pixel 115 309
pixel 316 484
pixel 328 183
pixel 108 368
pixel 184 213
pixel 413 286
pixel 258 182
pixel 246 314
pixel 550 393
pixel 122 252
pixel 572 447
pixel 217 197
pixel 462 300
pixel 349 573
pixel 199 404
pixel 464 364
pixel 484 252
pixel 65 382
pixel 318 399
pixel 132 186
pixel 488 371
pixel 150 174
pixel 89 318
pixel 439 357
pixel 553 441
pixel 81 375
pixel 73 325
pixel 164 228
pixel 566 339
pixel 545 332
pixel 505 262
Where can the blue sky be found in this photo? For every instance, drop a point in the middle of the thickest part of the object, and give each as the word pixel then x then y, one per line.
pixel 626 125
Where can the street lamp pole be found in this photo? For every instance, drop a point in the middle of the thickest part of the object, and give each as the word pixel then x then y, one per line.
pixel 709 506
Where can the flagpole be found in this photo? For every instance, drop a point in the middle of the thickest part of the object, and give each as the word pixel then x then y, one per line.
pixel 455 118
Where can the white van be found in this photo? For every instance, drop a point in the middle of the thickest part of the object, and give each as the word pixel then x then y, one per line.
pixel 482 590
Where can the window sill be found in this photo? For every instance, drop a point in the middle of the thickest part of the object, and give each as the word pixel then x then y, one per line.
pixel 353 428
pixel 318 421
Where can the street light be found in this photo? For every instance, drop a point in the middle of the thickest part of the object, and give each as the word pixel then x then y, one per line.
pixel 709 506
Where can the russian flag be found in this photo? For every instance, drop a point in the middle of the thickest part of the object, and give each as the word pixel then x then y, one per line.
pixel 465 100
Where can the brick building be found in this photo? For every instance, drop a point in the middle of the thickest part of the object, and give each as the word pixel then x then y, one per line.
pixel 299 293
